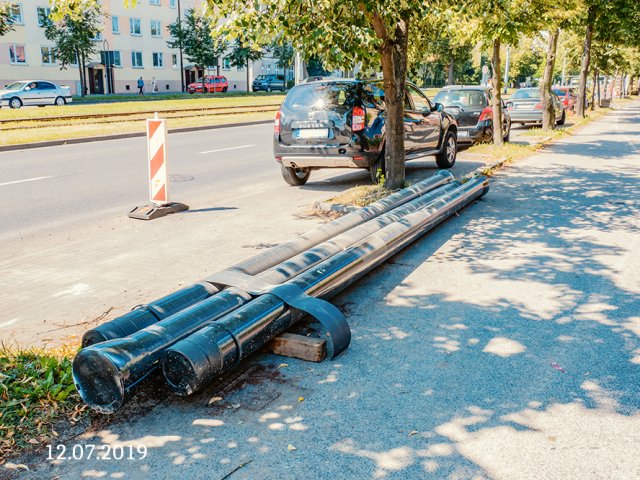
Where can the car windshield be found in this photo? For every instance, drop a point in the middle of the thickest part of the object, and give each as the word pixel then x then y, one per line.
pixel 461 98
pixel 15 86
pixel 261 77
pixel 525 93
pixel 560 93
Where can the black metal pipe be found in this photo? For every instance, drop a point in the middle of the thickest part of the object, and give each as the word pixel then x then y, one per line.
pixel 128 360
pixel 196 361
pixel 151 313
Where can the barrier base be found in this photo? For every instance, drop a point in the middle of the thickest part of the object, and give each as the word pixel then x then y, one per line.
pixel 150 212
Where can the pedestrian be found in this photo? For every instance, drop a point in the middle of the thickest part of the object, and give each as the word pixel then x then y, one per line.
pixel 154 86
pixel 140 86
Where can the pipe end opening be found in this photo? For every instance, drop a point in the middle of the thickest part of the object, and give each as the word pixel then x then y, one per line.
pixel 98 381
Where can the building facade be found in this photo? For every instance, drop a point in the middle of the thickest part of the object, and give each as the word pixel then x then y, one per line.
pixel 132 44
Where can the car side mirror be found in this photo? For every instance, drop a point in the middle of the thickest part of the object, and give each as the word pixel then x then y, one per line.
pixel 27 88
pixel 437 107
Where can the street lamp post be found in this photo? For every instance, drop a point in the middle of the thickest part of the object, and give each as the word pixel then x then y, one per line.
pixel 181 60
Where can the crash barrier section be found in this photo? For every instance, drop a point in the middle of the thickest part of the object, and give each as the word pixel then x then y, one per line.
pixel 222 329
pixel 145 315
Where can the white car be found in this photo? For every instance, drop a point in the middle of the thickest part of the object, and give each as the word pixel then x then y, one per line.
pixel 34 92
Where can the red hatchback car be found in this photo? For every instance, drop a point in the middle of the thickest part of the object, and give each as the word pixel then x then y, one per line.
pixel 213 83
pixel 567 96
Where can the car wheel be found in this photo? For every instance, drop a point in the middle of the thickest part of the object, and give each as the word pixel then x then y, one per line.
pixel 15 102
pixel 447 156
pixel 508 133
pixel 295 176
pixel 60 101
pixel 224 89
pixel 377 169
pixel 268 89
pixel 563 118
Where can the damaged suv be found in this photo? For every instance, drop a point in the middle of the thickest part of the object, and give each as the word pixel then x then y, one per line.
pixel 340 123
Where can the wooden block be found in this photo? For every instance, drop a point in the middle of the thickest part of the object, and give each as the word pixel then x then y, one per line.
pixel 298 346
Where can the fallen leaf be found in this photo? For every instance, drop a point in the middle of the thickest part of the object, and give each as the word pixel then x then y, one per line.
pixel 16 466
pixel 282 365
pixel 214 400
pixel 291 448
pixel 558 367
pixel 301 399
pixel 413 432
pixel 33 441
pixel 55 434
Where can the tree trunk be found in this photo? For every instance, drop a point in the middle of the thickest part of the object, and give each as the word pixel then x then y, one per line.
pixel 548 112
pixel 81 73
pixel 84 74
pixel 497 95
pixel 248 77
pixel 394 69
pixel 204 81
pixel 593 90
pixel 450 70
pixel 586 60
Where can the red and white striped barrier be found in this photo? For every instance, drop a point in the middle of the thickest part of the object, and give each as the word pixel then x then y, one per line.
pixel 158 178
pixel 157 155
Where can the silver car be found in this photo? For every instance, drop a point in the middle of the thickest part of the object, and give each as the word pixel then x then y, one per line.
pixel 525 106
pixel 34 92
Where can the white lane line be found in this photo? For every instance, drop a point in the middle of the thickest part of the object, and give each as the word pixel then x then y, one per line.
pixel 10 322
pixel 34 179
pixel 226 149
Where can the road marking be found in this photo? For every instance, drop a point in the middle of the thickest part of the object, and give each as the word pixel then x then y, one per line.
pixel 10 322
pixel 34 179
pixel 226 149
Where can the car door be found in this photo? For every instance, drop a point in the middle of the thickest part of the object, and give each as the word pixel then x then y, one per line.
pixel 426 123
pixel 30 95
pixel 46 93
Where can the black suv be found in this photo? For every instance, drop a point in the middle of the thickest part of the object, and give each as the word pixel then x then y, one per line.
pixel 269 82
pixel 473 108
pixel 340 123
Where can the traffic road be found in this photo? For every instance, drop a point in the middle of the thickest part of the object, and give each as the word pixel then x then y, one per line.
pixel 57 187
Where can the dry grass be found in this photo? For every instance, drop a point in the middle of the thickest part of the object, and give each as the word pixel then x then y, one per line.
pixel 46 133
pixel 361 196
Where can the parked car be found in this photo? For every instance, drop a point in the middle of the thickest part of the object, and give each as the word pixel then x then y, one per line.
pixel 341 123
pixel 525 107
pixel 213 83
pixel 472 107
pixel 34 92
pixel 567 96
pixel 269 83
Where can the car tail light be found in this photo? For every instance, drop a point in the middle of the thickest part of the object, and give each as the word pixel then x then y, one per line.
pixel 487 114
pixel 509 104
pixel 357 120
pixel 538 106
pixel 566 102
pixel 276 124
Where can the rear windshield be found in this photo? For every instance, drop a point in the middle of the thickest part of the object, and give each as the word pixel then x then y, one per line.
pixel 461 98
pixel 321 97
pixel 533 93
pixel 261 77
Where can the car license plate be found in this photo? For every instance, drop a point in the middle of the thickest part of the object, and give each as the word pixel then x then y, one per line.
pixel 463 133
pixel 524 107
pixel 311 133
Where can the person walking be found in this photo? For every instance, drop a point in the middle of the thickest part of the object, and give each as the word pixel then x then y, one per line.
pixel 154 85
pixel 140 86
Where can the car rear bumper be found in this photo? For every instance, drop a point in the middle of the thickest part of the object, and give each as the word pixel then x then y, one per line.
pixel 474 134
pixel 344 156
pixel 527 116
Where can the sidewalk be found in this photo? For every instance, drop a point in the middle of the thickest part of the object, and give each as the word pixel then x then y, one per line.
pixel 504 345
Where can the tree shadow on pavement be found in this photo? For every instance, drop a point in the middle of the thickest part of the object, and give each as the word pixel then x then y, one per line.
pixel 505 344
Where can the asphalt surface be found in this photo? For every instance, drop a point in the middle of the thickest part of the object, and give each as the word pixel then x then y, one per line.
pixel 503 345
pixel 62 187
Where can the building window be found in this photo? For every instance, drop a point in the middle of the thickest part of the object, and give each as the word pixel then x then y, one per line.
pixel 98 36
pixel 174 60
pixel 15 13
pixel 134 26
pixel 48 56
pixel 172 3
pixel 136 60
pixel 155 28
pixel 115 24
pixel 226 63
pixel 157 59
pixel 154 2
pixel 111 58
pixel 43 15
pixel 116 58
pixel 16 54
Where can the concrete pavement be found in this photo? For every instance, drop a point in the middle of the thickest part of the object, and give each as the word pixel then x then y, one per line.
pixel 505 345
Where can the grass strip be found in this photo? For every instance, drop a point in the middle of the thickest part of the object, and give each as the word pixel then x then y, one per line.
pixel 36 390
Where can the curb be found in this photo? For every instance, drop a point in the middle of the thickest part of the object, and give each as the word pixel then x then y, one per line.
pixel 70 141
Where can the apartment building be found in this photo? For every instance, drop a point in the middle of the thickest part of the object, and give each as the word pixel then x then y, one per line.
pixel 132 44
